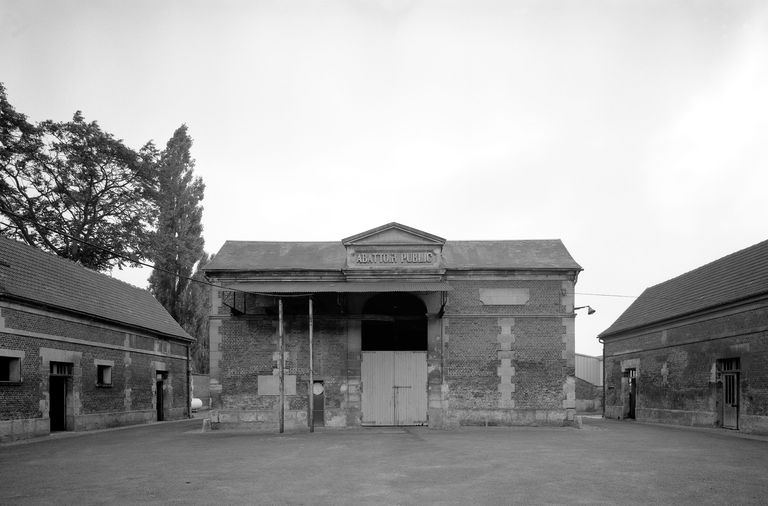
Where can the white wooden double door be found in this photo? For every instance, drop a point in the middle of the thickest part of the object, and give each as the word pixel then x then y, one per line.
pixel 394 387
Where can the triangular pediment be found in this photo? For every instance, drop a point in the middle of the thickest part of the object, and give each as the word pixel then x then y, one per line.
pixel 393 234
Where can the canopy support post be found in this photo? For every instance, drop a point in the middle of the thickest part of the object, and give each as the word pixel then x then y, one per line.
pixel 281 363
pixel 311 370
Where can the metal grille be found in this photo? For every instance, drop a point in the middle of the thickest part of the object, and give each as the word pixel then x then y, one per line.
pixel 61 369
pixel 730 388
pixel 728 372
pixel 729 364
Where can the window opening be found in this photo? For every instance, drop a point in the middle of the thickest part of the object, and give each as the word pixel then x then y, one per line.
pixel 104 375
pixel 10 369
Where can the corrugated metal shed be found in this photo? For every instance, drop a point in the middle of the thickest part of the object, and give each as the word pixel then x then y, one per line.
pixel 589 369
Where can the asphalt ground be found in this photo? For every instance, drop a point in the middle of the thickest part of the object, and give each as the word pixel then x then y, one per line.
pixel 605 462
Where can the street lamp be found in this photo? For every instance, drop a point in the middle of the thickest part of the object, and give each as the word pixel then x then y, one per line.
pixel 589 309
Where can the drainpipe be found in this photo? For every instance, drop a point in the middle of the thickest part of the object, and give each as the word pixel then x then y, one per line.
pixel 603 343
pixel 189 385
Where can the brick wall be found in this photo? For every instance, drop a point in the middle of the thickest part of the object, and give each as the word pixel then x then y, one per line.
pixel 541 367
pixel 677 370
pixel 545 297
pixel 20 401
pixel 471 363
pixel 131 396
pixel 507 363
pixel 23 320
pixel 249 349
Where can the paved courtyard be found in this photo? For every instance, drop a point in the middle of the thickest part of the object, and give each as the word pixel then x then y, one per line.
pixel 605 462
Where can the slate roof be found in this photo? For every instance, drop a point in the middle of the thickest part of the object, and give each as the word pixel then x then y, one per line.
pixel 521 254
pixel 738 276
pixel 331 256
pixel 30 274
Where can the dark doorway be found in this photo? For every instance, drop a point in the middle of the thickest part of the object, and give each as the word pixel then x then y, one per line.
pixel 632 377
pixel 58 403
pixel 160 394
pixel 394 322
pixel 318 404
pixel 59 384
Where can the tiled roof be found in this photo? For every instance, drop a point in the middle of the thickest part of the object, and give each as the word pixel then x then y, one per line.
pixel 277 256
pixel 32 274
pixel 734 277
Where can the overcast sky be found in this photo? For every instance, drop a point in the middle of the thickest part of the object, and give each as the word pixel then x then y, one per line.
pixel 636 132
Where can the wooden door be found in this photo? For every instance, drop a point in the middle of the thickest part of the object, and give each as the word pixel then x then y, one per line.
pixel 394 387
pixel 410 388
pixel 378 378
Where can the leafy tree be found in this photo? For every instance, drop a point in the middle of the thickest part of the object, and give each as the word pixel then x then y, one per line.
pixel 178 242
pixel 74 178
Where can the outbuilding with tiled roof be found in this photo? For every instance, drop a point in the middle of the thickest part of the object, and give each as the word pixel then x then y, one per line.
pixel 81 350
pixel 693 350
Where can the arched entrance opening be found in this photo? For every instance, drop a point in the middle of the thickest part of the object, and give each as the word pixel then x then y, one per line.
pixel 394 322
pixel 394 343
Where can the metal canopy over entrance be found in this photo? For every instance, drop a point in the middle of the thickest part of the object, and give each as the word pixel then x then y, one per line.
pixel 279 287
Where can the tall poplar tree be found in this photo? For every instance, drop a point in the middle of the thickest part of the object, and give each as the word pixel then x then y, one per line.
pixel 196 306
pixel 178 242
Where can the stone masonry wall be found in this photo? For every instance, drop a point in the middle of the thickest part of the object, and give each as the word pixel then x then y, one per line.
pixel 677 380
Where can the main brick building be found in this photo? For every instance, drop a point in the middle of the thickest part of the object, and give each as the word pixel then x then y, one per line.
pixel 405 328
